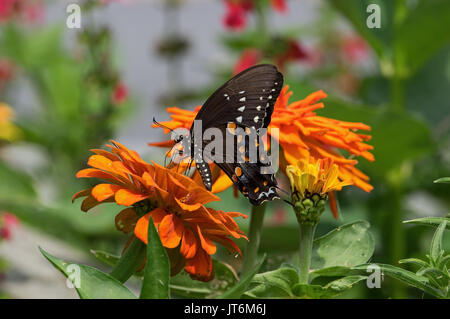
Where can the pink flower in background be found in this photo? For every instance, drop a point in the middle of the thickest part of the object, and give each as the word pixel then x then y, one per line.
pixel 279 5
pixel 33 12
pixel 354 49
pixel 120 93
pixel 248 58
pixel 315 56
pixel 7 222
pixel 30 11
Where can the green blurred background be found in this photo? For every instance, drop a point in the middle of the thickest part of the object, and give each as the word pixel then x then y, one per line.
pixel 73 89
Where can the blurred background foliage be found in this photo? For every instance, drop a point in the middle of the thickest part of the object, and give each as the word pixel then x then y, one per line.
pixel 395 79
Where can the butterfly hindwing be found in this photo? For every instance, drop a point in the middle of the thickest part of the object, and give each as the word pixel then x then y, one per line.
pixel 254 185
pixel 251 175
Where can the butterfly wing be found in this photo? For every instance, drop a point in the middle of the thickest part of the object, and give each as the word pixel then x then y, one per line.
pixel 247 99
pixel 251 175
pixel 255 186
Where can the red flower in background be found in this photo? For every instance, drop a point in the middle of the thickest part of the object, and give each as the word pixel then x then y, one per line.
pixel 279 5
pixel 6 9
pixel 235 17
pixel 120 93
pixel 295 52
pixel 236 12
pixel 6 71
pixel 248 58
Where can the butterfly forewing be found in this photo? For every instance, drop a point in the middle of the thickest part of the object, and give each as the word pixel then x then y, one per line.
pixel 247 99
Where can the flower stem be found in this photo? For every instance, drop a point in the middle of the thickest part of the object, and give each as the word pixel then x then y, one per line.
pixel 397 234
pixel 254 238
pixel 130 261
pixel 307 231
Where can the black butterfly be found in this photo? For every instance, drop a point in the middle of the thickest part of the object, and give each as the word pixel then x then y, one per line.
pixel 246 101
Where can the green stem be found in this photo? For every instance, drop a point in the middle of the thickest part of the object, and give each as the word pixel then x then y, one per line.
pixel 254 238
pixel 307 231
pixel 261 19
pixel 397 93
pixel 130 261
pixel 396 243
pixel 397 234
pixel 397 79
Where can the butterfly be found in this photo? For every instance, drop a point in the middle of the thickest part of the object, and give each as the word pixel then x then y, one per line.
pixel 245 102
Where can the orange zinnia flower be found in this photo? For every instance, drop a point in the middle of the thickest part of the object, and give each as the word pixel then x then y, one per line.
pixel 184 224
pixel 303 133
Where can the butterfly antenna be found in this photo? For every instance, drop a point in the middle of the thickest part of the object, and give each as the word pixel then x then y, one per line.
pixel 171 160
pixel 189 166
pixel 161 125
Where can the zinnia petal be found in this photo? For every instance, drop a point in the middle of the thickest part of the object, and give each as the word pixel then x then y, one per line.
pixel 128 197
pixel 188 244
pixel 170 231
pixel 201 266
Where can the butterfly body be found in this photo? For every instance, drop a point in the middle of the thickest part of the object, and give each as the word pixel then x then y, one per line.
pixel 242 107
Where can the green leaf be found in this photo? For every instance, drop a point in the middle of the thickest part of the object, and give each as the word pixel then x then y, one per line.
pixel 306 291
pixel 33 49
pixel 225 278
pixel 19 186
pixel 348 245
pixel 237 290
pixel 436 242
pixel 440 279
pixel 276 283
pixel 330 290
pixel 93 284
pixel 355 12
pixel 414 261
pixel 443 180
pixel 429 221
pixel 105 257
pixel 333 271
pixel 63 82
pixel 157 267
pixel 423 33
pixel 406 277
